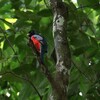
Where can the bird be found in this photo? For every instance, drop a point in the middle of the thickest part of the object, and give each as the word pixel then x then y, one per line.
pixel 39 43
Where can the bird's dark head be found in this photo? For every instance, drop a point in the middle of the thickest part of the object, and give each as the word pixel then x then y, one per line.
pixel 30 33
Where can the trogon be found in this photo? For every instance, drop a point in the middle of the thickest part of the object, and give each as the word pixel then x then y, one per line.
pixel 39 43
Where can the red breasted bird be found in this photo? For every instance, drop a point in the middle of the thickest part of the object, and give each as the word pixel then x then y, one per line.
pixel 39 43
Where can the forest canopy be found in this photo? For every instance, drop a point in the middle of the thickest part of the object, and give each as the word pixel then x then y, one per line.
pixel 19 68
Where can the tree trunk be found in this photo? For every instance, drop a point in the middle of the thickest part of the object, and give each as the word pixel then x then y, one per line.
pixel 60 13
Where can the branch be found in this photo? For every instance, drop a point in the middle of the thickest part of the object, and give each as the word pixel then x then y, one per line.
pixel 63 55
pixel 45 69
pixel 25 79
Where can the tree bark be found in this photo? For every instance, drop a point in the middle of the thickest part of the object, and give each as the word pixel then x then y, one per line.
pixel 60 15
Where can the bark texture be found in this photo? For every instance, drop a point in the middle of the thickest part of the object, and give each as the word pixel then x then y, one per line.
pixel 60 13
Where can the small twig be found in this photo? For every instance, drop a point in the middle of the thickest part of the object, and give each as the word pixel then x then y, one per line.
pixel 25 79
pixel 8 41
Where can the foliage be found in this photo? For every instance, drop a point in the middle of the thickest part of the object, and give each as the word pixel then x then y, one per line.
pixel 18 65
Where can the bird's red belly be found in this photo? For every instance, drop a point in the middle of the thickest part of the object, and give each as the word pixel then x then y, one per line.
pixel 36 43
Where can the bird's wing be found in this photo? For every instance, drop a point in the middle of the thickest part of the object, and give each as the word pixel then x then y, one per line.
pixel 39 38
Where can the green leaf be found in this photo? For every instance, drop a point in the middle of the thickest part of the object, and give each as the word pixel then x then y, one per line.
pixel 8 24
pixel 2 24
pixel 16 4
pixel 80 50
pixel 24 95
pixel 3 2
pixel 27 2
pixel 91 51
pixel 84 87
pixel 25 15
pixel 1 38
pixel 9 41
pixel 87 2
pixel 96 67
pixel 80 40
pixel 93 42
pixel 10 77
pixel 8 52
pixel 45 13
